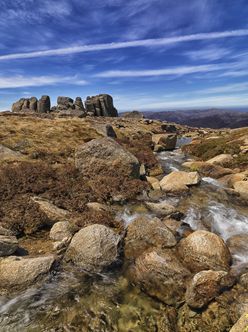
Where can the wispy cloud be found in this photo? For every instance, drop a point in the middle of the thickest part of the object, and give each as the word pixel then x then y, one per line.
pixel 229 88
pixel 126 44
pixel 209 53
pixel 181 70
pixel 25 81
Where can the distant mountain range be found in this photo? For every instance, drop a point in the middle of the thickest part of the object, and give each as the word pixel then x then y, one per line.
pixel 211 118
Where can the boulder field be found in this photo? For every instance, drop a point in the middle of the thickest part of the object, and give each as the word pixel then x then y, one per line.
pixel 91 201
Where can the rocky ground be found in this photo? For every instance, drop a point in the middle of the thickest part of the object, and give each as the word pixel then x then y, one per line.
pixel 99 226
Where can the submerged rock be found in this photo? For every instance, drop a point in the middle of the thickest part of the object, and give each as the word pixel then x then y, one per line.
pixel 203 250
pixel 161 208
pixel 179 181
pixel 204 287
pixel 93 248
pixel 144 233
pixel 161 275
pixel 16 272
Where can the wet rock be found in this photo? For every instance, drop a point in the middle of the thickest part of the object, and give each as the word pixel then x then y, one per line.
pixel 110 131
pixel 8 245
pixel 242 188
pixel 206 169
pixel 204 287
pixel 101 105
pixel 44 104
pixel 203 250
pixel 60 230
pixel 154 182
pixel 164 142
pixel 179 181
pixel 53 213
pixel 104 154
pixel 93 248
pixel 161 208
pixel 161 275
pixel 16 272
pixel 238 244
pixel 222 160
pixel 173 225
pixel 144 233
pixel 241 325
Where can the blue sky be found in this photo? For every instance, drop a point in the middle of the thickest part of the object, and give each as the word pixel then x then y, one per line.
pixel 148 54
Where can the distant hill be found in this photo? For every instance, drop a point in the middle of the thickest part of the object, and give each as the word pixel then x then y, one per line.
pixel 211 118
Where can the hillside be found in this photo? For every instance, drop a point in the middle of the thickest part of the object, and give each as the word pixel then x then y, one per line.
pixel 211 118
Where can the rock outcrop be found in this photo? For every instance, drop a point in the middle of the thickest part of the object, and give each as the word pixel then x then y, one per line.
pixel 101 105
pixel 94 248
pixel 8 245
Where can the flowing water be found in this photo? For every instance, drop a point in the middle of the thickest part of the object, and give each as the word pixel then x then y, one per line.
pixel 73 301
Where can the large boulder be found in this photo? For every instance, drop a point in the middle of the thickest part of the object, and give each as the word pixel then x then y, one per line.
pixel 164 142
pixel 204 250
pixel 8 154
pixel 65 103
pixel 221 159
pixel 16 272
pixel 101 105
pixel 44 104
pixel 242 188
pixel 161 275
pixel 144 233
pixel 93 248
pixel 100 156
pixel 179 181
pixel 204 287
pixel 8 245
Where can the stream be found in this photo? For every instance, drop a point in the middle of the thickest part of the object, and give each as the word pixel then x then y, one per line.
pixel 73 301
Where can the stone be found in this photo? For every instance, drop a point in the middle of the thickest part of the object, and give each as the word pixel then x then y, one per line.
pixel 154 182
pixel 16 272
pixel 169 128
pixel 101 105
pixel 93 248
pixel 60 231
pixel 161 275
pixel 65 104
pixel 33 104
pixel 8 154
pixel 179 181
pixel 53 213
pixel 17 106
pixel 95 206
pixel 206 169
pixel 8 245
pixel 5 231
pixel 203 250
pixel 173 225
pixel 110 131
pixel 231 179
pixel 25 105
pixel 162 208
pixel 222 160
pixel 164 142
pixel 103 155
pixel 44 104
pixel 241 187
pixel 204 287
pixel 144 233
pixel 79 104
pixel 241 325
